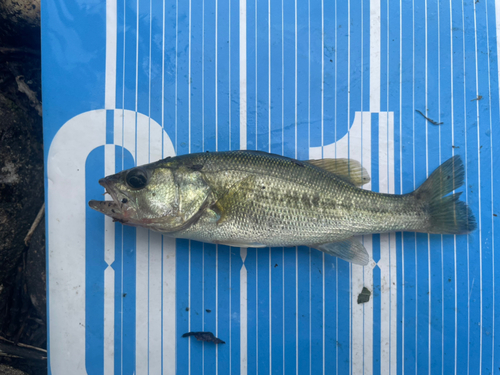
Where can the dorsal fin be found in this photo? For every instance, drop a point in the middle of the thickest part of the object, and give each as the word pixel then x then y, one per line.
pixel 347 169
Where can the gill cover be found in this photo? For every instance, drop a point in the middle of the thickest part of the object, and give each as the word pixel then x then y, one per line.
pixel 165 197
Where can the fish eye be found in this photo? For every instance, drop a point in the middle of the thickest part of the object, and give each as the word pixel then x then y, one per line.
pixel 137 178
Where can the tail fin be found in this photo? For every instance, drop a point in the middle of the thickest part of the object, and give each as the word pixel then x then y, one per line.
pixel 448 215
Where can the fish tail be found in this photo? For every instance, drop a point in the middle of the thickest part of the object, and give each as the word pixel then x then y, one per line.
pixel 446 214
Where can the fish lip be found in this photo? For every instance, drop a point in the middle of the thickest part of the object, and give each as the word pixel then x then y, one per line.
pixel 105 184
pixel 110 208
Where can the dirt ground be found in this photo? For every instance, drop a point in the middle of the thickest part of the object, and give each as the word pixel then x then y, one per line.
pixel 23 329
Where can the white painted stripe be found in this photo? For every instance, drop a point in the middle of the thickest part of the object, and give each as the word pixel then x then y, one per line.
pixel 387 262
pixel 269 90
pixel 414 184
pixel 257 311
pixel 203 75
pixel 479 200
pixel 383 161
pixel 283 305
pixel 361 338
pixel 141 302
pixel 440 161
pixel 243 314
pixel 453 153
pixel 256 41
pixel 269 300
pixel 189 306
pixel 393 343
pixel 111 42
pixel 230 312
pixel 66 230
pixel 216 303
pixel 465 124
pixel 296 97
pixel 142 261
pixel 393 348
pixel 323 96
pixel 297 307
pixel 283 96
pixel 375 55
pixel 497 20
pixel 176 70
pixel 216 75
pixel 243 146
pixel 109 321
pixel 109 273
pixel 401 181
pixel 109 225
pixel 429 266
pixel 155 271
pixel 229 96
pixel 169 307
pixel 367 272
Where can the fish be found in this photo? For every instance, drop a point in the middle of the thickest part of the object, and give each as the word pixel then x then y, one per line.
pixel 257 199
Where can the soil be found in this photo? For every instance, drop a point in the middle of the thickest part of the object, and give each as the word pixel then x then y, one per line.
pixel 22 267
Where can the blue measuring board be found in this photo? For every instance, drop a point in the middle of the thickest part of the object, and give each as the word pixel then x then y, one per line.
pixel 130 82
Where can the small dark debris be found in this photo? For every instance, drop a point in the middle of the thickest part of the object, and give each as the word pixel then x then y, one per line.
pixel 187 308
pixel 124 295
pixel 208 310
pixel 455 146
pixel 449 280
pixel 204 336
pixel 364 296
pixel 479 97
pixel 276 265
pixel 495 215
pixel 428 119
pixel 196 167
pixel 296 162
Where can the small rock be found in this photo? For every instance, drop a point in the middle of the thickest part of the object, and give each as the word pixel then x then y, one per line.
pixel 364 296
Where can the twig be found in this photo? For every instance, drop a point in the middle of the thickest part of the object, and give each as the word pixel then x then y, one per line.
pixel 22 350
pixel 428 119
pixel 5 50
pixel 24 88
pixel 34 225
pixel 479 97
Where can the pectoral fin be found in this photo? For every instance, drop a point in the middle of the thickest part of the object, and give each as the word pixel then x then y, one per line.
pixel 237 194
pixel 347 169
pixel 350 250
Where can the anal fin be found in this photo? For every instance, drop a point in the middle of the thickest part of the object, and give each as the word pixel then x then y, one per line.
pixel 351 250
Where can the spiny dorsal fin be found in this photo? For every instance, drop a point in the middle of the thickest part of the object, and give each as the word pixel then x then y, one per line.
pixel 347 169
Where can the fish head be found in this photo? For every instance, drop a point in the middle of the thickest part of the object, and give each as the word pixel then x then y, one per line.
pixel 146 196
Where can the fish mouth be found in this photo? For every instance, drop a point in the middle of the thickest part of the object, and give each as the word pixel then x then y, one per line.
pixel 110 208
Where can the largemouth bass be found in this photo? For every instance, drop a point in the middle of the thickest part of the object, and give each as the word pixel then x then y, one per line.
pixel 256 199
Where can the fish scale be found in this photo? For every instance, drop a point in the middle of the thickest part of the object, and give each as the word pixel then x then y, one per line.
pixel 256 199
